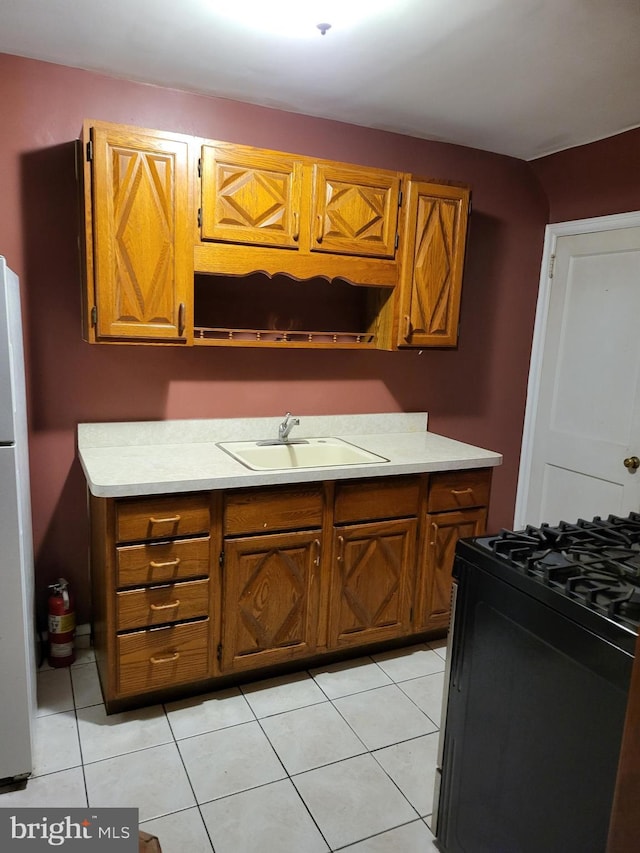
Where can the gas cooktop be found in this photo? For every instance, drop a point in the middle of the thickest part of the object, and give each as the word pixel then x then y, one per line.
pixel 544 634
pixel 596 563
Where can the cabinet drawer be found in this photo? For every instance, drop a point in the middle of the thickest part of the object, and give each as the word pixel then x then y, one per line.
pixel 161 517
pixel 367 500
pixel 459 489
pixel 266 510
pixel 157 605
pixel 162 657
pixel 159 562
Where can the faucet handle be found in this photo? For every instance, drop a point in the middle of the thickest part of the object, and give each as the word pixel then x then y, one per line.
pixel 287 425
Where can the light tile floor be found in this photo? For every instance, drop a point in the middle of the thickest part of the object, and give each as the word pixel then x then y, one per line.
pixel 341 757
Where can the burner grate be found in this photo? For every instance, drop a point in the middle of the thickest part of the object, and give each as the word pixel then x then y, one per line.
pixel 595 562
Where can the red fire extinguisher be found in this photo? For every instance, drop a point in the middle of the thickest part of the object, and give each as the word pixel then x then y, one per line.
pixel 62 624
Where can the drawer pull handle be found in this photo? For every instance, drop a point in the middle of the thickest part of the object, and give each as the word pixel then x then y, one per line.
pixel 407 327
pixel 320 234
pixel 460 493
pixel 340 548
pixel 170 519
pixel 168 606
pixel 296 226
pixel 168 659
pixel 434 532
pixel 155 565
pixel 316 543
pixel 181 315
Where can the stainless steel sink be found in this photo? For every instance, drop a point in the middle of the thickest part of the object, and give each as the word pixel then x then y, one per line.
pixel 301 453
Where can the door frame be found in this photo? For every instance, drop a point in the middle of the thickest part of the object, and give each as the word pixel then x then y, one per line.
pixel 552 232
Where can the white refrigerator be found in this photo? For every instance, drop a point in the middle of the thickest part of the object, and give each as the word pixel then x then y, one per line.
pixel 17 619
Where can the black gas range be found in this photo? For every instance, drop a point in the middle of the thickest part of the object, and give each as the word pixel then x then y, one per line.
pixel 541 651
pixel 593 564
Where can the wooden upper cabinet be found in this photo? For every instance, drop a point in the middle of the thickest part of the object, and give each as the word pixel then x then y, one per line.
pixel 355 211
pixel 267 198
pixel 435 229
pixel 139 247
pixel 250 196
pixel 263 215
pixel 291 214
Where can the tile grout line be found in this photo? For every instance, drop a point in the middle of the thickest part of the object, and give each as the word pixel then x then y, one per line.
pixel 407 740
pixel 393 780
pixel 366 751
pixel 293 784
pixel 82 764
pixel 411 699
pixel 371 753
pixel 395 743
pixel 177 746
pixel 375 834
pixel 290 777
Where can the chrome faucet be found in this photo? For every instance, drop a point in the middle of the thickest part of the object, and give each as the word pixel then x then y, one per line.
pixel 286 426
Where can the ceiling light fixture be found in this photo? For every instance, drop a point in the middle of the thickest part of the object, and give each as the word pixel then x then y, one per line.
pixel 300 18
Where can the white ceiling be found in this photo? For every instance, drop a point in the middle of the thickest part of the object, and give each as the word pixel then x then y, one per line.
pixel 519 77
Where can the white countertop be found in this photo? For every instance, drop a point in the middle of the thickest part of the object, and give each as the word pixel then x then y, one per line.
pixel 156 457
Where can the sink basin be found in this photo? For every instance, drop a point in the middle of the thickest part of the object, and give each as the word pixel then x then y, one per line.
pixel 301 453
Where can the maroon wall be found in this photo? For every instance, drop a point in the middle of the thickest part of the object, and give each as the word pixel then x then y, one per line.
pixel 475 393
pixel 592 180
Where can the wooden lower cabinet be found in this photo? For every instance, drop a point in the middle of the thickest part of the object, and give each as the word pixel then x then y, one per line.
pixel 153 599
pixel 162 657
pixel 159 604
pixel 164 561
pixel 269 599
pixel 372 582
pixel 190 588
pixel 457 504
pixel 443 531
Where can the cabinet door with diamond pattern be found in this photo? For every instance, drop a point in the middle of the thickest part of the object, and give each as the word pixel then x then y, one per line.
pixel 443 531
pixel 250 196
pixel 355 211
pixel 142 239
pixel 432 264
pixel 270 599
pixel 372 581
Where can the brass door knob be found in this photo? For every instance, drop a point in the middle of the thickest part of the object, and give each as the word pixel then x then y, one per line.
pixel 632 463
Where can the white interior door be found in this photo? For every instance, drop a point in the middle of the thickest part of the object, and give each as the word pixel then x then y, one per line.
pixel 583 408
